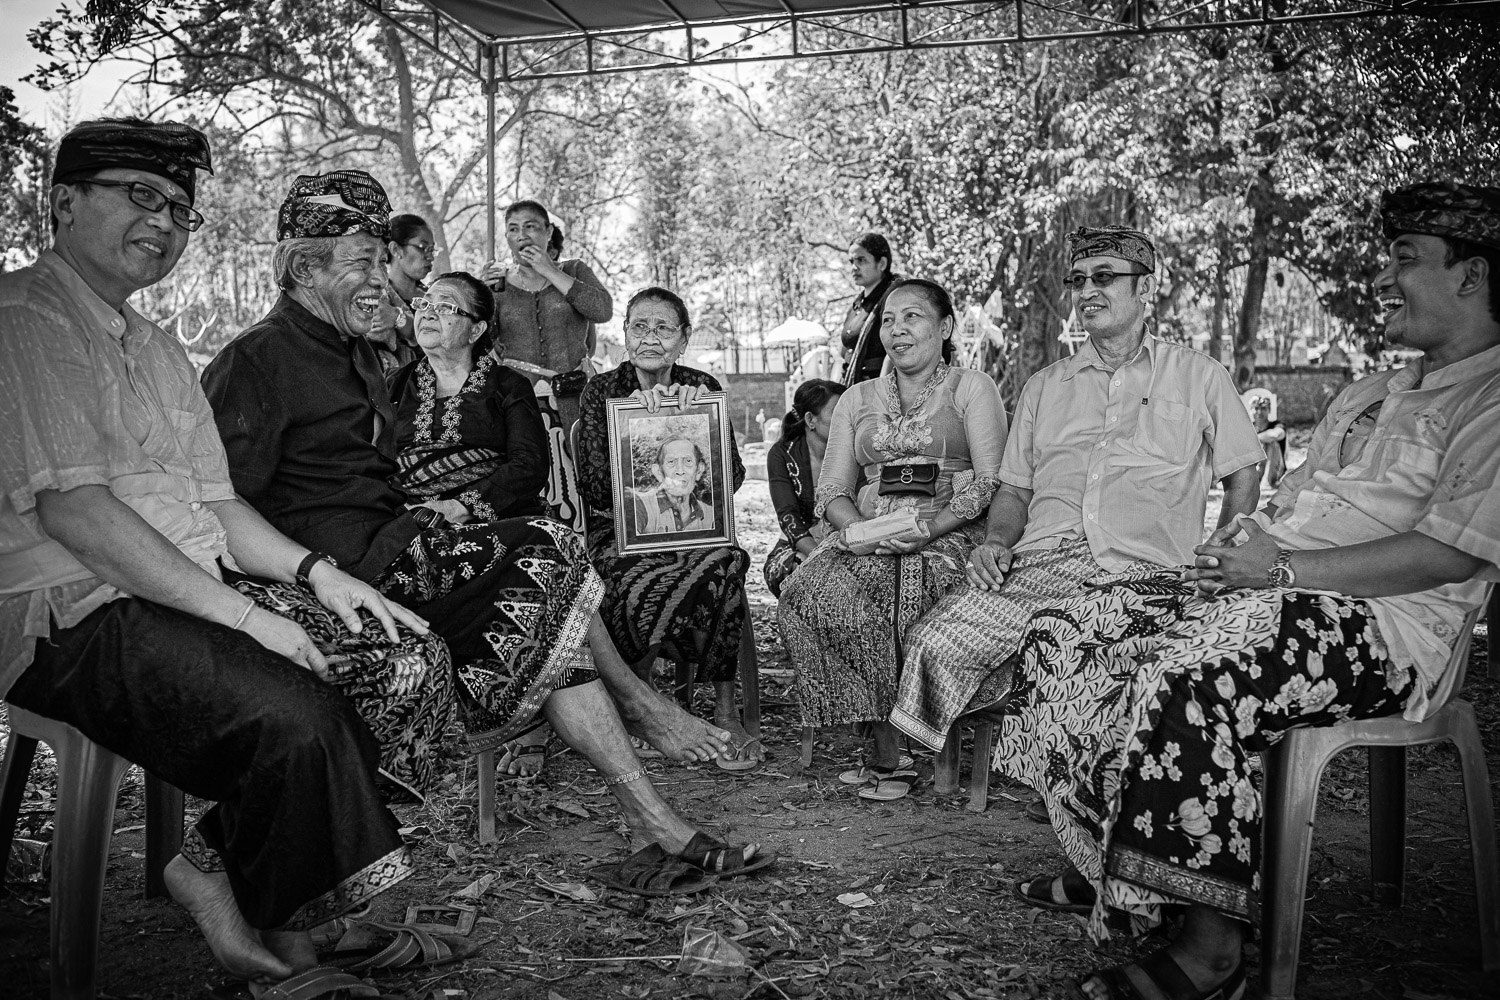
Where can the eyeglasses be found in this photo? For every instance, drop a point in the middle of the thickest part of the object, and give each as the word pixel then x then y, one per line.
pixel 661 331
pixel 427 249
pixel 1357 434
pixel 152 200
pixel 423 304
pixel 1102 279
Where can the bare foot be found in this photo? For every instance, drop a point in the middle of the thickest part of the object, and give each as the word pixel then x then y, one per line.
pixel 210 902
pixel 676 733
pixel 295 948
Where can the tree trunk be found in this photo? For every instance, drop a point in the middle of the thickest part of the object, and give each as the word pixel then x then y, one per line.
pixel 1248 328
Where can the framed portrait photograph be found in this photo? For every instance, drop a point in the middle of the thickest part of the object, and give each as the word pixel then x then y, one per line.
pixel 671 475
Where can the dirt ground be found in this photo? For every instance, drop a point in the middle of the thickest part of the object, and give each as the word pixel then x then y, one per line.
pixel 942 922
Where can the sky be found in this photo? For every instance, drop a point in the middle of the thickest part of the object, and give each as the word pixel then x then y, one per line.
pixel 18 58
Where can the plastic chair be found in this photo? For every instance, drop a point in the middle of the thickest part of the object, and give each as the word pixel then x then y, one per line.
pixel 1292 770
pixel 88 779
pixel 945 770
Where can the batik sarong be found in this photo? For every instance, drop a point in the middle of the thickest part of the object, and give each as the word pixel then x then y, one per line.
pixel 954 655
pixel 1137 708
pixel 514 600
pixel 403 691
pixel 845 619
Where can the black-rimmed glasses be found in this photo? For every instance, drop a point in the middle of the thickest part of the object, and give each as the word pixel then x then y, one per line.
pixel 1076 281
pixel 184 216
pixel 423 304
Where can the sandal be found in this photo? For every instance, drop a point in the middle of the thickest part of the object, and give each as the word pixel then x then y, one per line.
pixel 865 775
pixel 1054 894
pixel 319 982
pixel 651 871
pixel 888 786
pixel 743 756
pixel 528 758
pixel 1168 979
pixel 327 934
pixel 712 855
pixel 372 945
pixel 1036 811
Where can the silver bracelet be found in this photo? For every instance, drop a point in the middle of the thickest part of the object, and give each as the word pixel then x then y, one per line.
pixel 249 607
pixel 620 779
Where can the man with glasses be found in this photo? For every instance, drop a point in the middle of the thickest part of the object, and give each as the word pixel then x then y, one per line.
pixel 115 512
pixel 1106 470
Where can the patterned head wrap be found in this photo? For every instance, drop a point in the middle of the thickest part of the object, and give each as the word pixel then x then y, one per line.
pixel 1112 241
pixel 169 149
pixel 1461 211
pixel 340 203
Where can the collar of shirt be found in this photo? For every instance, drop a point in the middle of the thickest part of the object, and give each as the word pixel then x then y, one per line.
pixel 293 313
pixel 1483 363
pixel 1087 356
pixel 101 313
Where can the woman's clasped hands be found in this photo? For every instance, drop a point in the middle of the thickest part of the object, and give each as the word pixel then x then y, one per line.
pixel 656 397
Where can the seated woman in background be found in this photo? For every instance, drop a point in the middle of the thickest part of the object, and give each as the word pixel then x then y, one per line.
pixel 929 439
pixel 692 598
pixel 792 466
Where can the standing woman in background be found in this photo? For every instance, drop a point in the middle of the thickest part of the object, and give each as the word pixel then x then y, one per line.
pixel 792 466
pixel 393 334
pixel 870 261
pixel 546 309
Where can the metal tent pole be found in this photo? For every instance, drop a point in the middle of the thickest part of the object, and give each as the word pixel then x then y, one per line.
pixel 489 151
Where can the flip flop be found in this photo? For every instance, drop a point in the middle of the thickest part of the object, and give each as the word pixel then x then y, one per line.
pixel 1056 896
pixel 373 945
pixel 743 759
pixel 889 786
pixel 322 981
pixel 653 872
pixel 717 857
pixel 1168 978
pixel 865 775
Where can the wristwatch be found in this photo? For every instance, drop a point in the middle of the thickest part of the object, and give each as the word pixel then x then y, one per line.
pixel 1281 573
pixel 308 562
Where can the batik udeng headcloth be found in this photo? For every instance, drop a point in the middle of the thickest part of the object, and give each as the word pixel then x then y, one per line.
pixel 340 203
pixel 1460 211
pixel 1112 241
pixel 168 149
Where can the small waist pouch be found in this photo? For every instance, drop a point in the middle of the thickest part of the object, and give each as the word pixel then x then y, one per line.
pixel 909 480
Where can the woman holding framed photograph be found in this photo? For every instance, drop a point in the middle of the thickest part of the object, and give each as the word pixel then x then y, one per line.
pixel 928 438
pixel 693 598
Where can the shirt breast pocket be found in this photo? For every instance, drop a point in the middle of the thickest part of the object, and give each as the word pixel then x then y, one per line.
pixel 1167 431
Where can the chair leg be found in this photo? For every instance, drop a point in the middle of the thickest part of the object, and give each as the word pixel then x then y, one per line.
pixel 945 768
pixel 1289 802
pixel 163 832
pixel 19 753
pixel 979 770
pixel 807 746
pixel 1481 810
pixel 749 679
pixel 88 778
pixel 1388 824
pixel 486 768
pixel 684 681
pixel 1492 622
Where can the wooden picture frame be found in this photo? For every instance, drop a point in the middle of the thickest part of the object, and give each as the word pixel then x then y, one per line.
pixel 672 473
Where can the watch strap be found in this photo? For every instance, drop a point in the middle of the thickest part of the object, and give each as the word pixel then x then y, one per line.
pixel 308 562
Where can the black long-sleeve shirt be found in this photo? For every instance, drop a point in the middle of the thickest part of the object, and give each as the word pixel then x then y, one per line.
pixel 309 428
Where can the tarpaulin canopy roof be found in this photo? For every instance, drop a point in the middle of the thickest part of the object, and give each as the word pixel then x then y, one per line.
pixel 532 39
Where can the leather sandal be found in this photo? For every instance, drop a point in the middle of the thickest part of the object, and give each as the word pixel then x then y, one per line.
pixel 531 758
pixel 1167 977
pixel 712 855
pixel 1050 892
pixel 376 946
pixel 321 982
pixel 651 871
